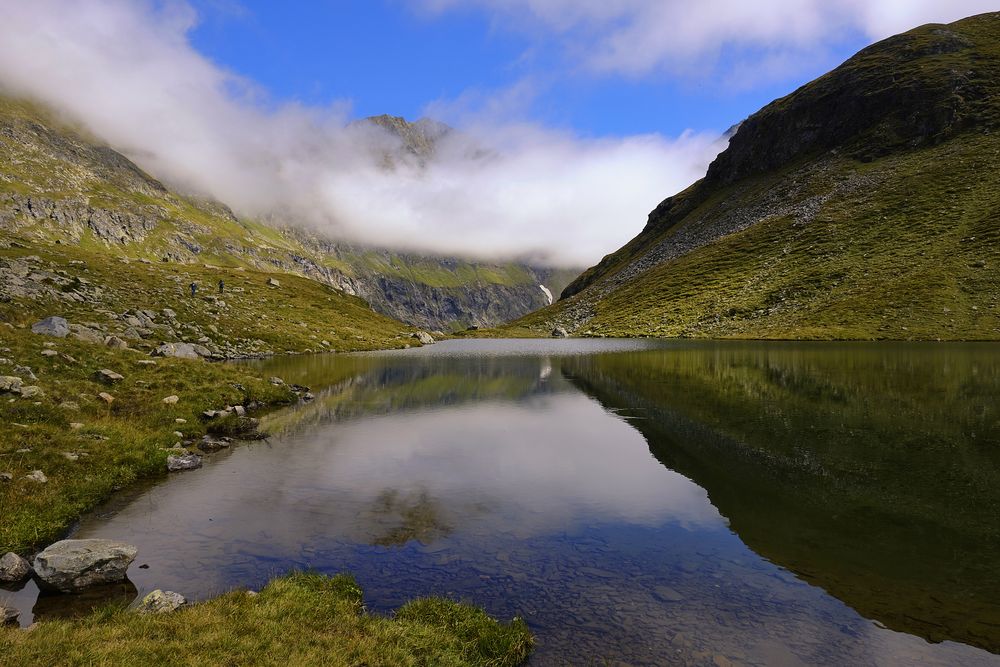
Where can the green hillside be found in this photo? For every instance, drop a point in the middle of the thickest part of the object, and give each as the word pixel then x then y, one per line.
pixel 864 205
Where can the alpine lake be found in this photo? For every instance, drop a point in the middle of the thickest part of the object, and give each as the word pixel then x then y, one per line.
pixel 637 502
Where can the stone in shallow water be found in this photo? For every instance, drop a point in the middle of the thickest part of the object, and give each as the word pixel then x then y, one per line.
pixel 161 602
pixel 184 462
pixel 8 615
pixel 72 565
pixel 13 569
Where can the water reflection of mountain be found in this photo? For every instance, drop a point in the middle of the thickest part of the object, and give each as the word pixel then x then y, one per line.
pixel 351 387
pixel 873 472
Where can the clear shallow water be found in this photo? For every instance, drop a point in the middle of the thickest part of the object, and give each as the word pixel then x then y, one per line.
pixel 637 503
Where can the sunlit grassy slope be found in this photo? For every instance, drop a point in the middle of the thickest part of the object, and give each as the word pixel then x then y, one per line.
pixel 864 205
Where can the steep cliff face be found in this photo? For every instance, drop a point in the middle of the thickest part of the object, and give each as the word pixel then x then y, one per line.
pixel 60 187
pixel 859 206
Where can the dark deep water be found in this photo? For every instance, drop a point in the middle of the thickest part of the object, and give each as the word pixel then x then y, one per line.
pixel 638 503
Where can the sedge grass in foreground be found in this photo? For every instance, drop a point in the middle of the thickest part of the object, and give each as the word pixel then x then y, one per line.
pixel 300 619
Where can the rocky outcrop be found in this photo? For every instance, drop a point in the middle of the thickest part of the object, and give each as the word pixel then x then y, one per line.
pixel 73 565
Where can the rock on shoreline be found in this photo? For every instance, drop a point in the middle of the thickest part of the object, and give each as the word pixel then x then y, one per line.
pixel 72 565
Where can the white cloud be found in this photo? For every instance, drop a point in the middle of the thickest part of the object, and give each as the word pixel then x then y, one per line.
pixel 637 37
pixel 127 72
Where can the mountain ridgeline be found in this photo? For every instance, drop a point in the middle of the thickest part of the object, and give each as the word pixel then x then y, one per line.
pixel 863 205
pixel 59 186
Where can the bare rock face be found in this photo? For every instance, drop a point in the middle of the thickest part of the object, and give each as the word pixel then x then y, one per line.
pixel 51 326
pixel 73 565
pixel 13 569
pixel 161 602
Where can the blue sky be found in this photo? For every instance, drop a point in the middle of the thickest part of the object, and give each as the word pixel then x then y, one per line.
pixel 387 57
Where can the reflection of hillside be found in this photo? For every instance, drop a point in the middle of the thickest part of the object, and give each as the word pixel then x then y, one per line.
pixel 350 387
pixel 873 472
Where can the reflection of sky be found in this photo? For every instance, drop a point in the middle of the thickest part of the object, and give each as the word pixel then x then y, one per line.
pixel 521 469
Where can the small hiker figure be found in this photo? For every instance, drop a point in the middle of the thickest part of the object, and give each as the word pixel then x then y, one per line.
pixel 194 288
pixel 222 287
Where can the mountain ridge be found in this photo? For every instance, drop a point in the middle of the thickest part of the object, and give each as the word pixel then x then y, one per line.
pixel 799 203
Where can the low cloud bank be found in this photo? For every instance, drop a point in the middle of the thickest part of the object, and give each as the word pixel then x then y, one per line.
pixel 127 72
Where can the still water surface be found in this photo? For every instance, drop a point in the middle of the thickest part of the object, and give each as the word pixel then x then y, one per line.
pixel 637 502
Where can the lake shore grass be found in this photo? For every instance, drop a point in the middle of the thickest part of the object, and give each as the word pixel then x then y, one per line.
pixel 299 619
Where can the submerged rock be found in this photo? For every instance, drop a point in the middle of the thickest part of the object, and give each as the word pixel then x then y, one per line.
pixel 161 602
pixel 51 326
pixel 72 565
pixel 13 569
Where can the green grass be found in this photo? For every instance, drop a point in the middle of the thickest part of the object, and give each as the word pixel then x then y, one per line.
pixel 117 444
pixel 301 619
pixel 913 252
pixel 918 258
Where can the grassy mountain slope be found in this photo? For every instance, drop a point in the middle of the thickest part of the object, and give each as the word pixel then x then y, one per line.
pixel 59 186
pixel 863 205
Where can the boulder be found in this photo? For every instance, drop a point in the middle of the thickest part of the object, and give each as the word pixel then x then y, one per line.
pixel 182 351
pixel 276 381
pixel 161 602
pixel 183 462
pixel 25 371
pixel 51 326
pixel 424 338
pixel 108 376
pixel 116 343
pixel 32 391
pixel 171 400
pixel 273 282
pixel 106 397
pixel 6 477
pixel 73 565
pixel 560 332
pixel 13 569
pixel 169 314
pixel 10 384
pixel 37 476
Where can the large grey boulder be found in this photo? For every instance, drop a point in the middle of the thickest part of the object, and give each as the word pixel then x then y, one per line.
pixel 13 569
pixel 73 565
pixel 51 326
pixel 182 351
pixel 560 332
pixel 161 602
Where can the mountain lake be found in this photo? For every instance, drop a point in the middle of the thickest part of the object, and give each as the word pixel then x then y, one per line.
pixel 637 502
